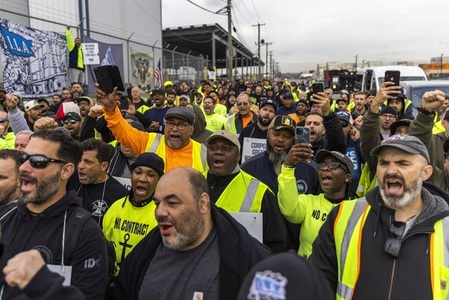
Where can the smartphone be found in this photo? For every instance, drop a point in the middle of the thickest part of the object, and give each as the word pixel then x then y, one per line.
pixel 109 77
pixel 393 76
pixel 124 104
pixel 318 87
pixel 302 135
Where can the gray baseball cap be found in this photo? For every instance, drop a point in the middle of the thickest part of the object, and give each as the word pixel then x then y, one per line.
pixel 407 143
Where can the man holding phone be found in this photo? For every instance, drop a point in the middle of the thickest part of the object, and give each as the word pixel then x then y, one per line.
pixel 175 146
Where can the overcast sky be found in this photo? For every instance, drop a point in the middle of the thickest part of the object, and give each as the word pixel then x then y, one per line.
pixel 305 33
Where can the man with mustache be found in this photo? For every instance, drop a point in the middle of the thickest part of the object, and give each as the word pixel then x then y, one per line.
pixel 266 166
pixel 175 146
pixel 198 251
pixel 392 243
pixel 40 219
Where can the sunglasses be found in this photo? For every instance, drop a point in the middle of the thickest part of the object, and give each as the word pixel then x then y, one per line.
pixel 332 165
pixel 67 122
pixel 3 120
pixel 393 245
pixel 344 124
pixel 38 161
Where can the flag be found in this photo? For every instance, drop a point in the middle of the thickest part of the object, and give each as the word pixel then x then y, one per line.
pixel 158 74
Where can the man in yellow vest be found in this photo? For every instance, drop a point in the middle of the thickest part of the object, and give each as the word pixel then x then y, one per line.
pixel 175 146
pixel 393 243
pixel 236 191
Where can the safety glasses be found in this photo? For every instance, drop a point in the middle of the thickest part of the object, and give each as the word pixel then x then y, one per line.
pixel 332 165
pixel 393 245
pixel 39 161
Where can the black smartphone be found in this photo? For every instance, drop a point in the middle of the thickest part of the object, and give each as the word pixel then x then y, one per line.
pixel 124 104
pixel 109 77
pixel 393 76
pixel 302 135
pixel 318 87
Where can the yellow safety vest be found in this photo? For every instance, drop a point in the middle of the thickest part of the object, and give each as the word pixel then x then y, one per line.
pixel 156 144
pixel 365 184
pixel 348 227
pixel 243 194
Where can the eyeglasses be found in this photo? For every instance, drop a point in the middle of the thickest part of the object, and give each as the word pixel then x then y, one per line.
pixel 171 125
pixel 67 122
pixel 38 161
pixel 3 120
pixel 332 165
pixel 393 245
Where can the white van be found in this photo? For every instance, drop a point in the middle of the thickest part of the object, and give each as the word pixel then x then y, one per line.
pixel 372 78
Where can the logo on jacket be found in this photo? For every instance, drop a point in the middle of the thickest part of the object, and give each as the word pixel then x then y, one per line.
pixel 99 207
pixel 301 185
pixel 268 285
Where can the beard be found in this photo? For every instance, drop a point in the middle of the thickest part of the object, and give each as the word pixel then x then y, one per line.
pixel 175 144
pixel 6 195
pixel 411 191
pixel 44 190
pixel 276 158
pixel 264 122
pixel 187 233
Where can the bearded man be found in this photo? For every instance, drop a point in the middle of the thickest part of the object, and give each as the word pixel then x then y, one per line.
pixel 395 238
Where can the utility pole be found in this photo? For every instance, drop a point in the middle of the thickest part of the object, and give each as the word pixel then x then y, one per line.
pixel 441 65
pixel 271 65
pixel 230 49
pixel 266 57
pixel 355 65
pixel 258 49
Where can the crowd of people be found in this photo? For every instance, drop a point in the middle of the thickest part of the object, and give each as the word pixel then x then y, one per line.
pixel 110 197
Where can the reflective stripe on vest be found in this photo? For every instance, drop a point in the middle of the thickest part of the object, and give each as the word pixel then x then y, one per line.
pixel 439 259
pixel 348 228
pixel 243 194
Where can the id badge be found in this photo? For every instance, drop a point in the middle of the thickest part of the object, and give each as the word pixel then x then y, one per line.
pixel 64 271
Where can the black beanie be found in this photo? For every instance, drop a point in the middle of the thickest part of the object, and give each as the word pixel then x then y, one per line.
pixel 149 160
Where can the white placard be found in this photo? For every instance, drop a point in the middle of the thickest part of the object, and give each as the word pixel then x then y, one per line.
pixel 252 221
pixel 64 271
pixel 126 182
pixel 91 54
pixel 252 146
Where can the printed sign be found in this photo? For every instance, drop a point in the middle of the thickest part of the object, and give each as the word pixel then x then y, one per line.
pixel 252 146
pixel 91 53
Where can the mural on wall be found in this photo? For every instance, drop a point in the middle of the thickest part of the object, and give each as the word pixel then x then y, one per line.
pixel 142 72
pixel 34 62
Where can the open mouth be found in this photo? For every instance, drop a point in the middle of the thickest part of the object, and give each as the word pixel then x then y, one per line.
pixel 393 186
pixel 140 190
pixel 218 163
pixel 278 148
pixel 326 179
pixel 165 228
pixel 27 183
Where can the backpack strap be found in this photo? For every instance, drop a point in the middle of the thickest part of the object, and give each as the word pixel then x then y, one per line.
pixel 74 226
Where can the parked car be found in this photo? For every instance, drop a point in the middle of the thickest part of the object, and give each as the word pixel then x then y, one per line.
pixel 414 90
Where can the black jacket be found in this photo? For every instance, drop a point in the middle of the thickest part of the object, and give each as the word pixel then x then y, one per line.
pixel 239 251
pixel 22 231
pixel 334 140
pixel 383 276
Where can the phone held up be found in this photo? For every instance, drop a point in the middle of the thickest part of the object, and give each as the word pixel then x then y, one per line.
pixel 109 77
pixel 393 76
pixel 302 135
pixel 318 87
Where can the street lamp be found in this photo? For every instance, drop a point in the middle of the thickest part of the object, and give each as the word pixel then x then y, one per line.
pixel 441 65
